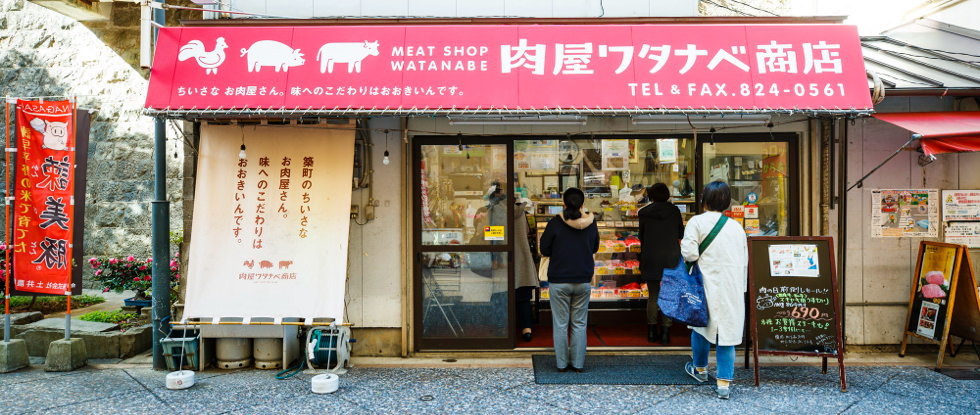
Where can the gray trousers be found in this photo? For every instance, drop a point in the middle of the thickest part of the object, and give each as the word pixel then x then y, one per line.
pixel 570 308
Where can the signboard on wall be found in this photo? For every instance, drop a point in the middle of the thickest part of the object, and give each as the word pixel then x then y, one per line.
pixel 904 213
pixel 961 205
pixel 272 228
pixel 961 217
pixel 422 68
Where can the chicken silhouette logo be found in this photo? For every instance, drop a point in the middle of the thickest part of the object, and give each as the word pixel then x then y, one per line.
pixel 351 53
pixel 210 61
pixel 55 133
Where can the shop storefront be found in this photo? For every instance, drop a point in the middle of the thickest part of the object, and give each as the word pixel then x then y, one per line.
pixel 496 121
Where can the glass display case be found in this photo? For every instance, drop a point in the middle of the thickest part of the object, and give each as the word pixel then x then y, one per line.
pixel 614 173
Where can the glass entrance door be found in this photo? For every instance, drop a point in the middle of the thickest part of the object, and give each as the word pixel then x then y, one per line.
pixel 463 221
pixel 761 173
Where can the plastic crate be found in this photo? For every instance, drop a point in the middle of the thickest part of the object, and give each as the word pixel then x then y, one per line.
pixel 175 347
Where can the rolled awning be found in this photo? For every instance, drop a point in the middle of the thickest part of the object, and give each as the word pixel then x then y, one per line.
pixel 940 132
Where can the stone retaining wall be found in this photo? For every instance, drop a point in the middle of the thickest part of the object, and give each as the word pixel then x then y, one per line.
pixel 43 53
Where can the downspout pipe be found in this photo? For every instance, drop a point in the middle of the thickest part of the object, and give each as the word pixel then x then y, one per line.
pixel 161 230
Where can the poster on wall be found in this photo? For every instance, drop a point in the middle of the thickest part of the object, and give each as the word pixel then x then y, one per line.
pixel 667 150
pixel 797 260
pixel 961 205
pixel 542 155
pixel 521 161
pixel 43 206
pixel 904 213
pixel 963 233
pixel 615 155
pixel 278 222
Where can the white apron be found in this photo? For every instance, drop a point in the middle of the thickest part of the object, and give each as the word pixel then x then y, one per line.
pixel 725 268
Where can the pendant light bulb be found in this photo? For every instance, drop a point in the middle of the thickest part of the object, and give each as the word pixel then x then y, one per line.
pixel 386 161
pixel 241 154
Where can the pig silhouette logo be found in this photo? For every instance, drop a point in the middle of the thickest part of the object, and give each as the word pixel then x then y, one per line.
pixel 351 53
pixel 55 133
pixel 210 61
pixel 265 264
pixel 271 53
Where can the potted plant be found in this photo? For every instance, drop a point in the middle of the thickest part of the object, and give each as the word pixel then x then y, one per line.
pixel 131 273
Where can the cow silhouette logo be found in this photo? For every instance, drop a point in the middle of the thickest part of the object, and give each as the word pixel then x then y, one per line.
pixel 272 53
pixel 210 61
pixel 55 133
pixel 351 53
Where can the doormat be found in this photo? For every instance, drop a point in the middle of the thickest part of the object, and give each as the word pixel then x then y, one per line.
pixel 959 374
pixel 615 370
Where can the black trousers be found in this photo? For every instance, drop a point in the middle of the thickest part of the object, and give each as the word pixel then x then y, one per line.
pixel 522 298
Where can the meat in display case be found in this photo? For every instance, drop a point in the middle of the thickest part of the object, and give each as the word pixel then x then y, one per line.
pixel 616 282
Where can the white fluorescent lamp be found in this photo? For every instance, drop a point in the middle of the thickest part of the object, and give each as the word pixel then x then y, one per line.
pixel 713 119
pixel 520 120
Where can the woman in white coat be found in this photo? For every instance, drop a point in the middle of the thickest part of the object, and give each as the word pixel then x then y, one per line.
pixel 724 265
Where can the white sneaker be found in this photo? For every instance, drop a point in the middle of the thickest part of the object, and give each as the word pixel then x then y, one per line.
pixel 724 392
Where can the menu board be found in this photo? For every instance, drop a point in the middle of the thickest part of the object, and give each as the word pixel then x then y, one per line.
pixel 792 299
pixel 793 295
pixel 931 290
pixel 944 301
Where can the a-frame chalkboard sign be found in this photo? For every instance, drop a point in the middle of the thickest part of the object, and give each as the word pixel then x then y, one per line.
pixel 944 299
pixel 793 299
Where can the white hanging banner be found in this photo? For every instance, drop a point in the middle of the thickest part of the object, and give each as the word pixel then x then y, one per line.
pixel 270 230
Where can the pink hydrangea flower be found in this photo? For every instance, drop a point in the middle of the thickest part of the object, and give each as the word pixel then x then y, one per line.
pixel 98 272
pixel 113 261
pixel 173 263
pixel 148 278
pixel 130 258
pixel 136 279
pixel 105 290
pixel 142 267
pixel 149 260
pixel 178 276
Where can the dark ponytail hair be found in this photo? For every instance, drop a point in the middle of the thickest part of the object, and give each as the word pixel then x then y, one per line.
pixel 574 199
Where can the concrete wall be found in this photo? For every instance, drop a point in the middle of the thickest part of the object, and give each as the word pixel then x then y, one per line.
pixel 878 273
pixel 464 8
pixel 376 256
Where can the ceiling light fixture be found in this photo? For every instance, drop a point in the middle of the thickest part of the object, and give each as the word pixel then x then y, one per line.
pixel 720 119
pixel 519 120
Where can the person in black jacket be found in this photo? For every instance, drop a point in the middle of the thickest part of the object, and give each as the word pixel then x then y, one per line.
pixel 570 239
pixel 661 229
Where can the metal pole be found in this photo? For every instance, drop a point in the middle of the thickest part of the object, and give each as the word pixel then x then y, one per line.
pixel 6 222
pixel 161 233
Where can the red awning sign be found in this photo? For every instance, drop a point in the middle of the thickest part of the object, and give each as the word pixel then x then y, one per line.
pixel 513 67
pixel 941 132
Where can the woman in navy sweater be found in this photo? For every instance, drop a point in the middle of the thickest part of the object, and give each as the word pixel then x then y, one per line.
pixel 570 239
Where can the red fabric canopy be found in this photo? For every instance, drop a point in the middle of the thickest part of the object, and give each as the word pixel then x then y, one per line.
pixel 942 132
